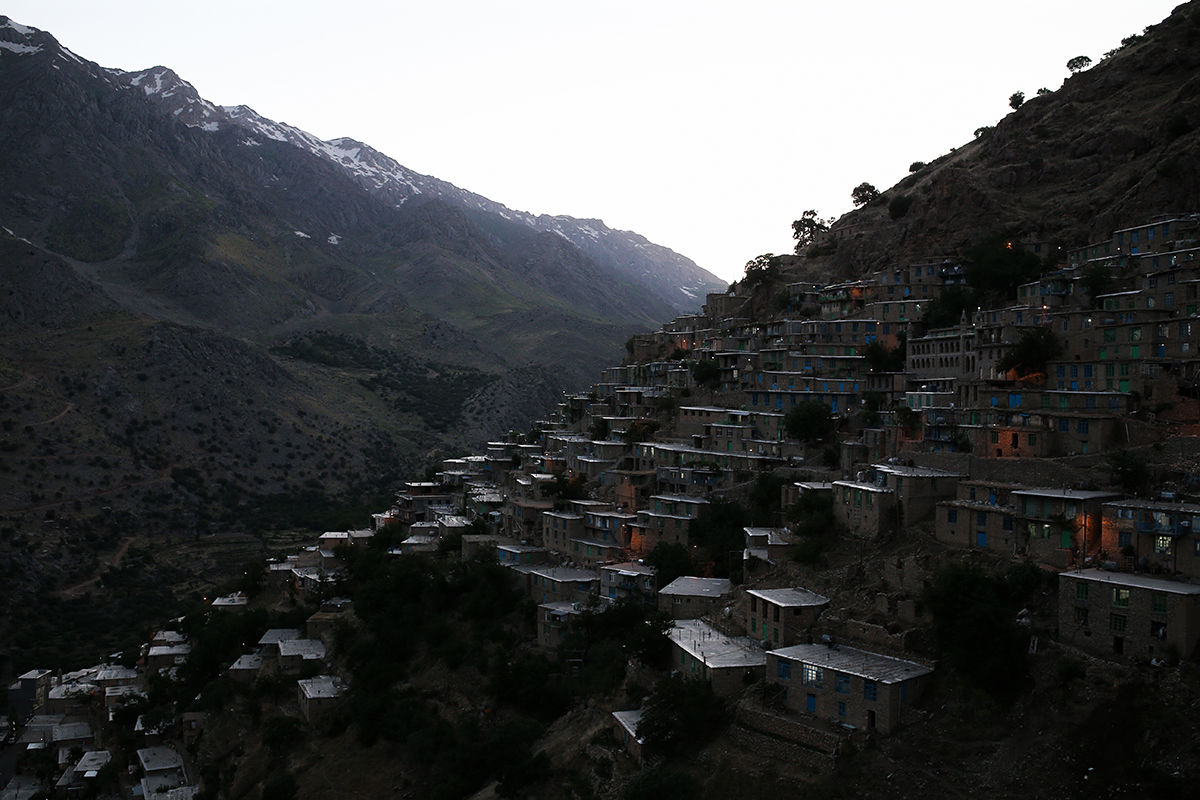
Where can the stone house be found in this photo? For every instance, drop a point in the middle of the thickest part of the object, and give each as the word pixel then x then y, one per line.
pixel 1152 536
pixel 1057 525
pixel 700 651
pixel 689 597
pixel 628 579
pixel 1136 616
pixel 554 621
pixel 782 616
pixel 317 694
pixel 847 685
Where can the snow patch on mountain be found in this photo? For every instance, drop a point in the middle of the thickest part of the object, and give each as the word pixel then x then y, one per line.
pixel 20 49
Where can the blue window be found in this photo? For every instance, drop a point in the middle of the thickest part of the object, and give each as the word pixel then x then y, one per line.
pixel 783 670
pixel 810 704
pixel 1064 425
pixel 841 709
pixel 870 690
pixel 1125 538
pixel 1083 426
pixel 980 539
pixel 951 515
pixel 981 518
pixel 841 683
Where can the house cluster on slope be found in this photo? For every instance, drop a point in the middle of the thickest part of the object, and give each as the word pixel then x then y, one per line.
pixel 943 442
pixel 949 444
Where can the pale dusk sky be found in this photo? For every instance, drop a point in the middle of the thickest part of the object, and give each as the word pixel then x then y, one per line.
pixel 705 126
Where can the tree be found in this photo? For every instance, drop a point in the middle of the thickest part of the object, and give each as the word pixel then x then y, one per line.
pixel 806 230
pixel 706 373
pixel 864 193
pixel 1078 64
pixel 681 716
pixel 899 205
pixel 1016 100
pixel 1096 280
pixel 946 309
pixel 761 269
pixel 880 358
pixel 973 623
pixel 997 267
pixel 808 421
pixel 1031 352
pixel 982 131
pixel 916 166
pixel 1129 472
pixel 1043 91
pixel 670 560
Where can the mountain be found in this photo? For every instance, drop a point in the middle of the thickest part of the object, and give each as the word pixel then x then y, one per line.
pixel 215 323
pixel 329 261
pixel 1113 146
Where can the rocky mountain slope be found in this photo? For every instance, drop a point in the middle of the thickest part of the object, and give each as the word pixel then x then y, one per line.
pixel 371 289
pixel 1115 145
pixel 214 323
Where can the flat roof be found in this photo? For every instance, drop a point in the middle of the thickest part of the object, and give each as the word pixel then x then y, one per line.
pixel 713 648
pixel 321 686
pixel 307 649
pixel 251 661
pixel 790 597
pixel 698 587
pixel 629 721
pixel 630 567
pixel 864 664
pixel 1067 494
pixel 1156 505
pixel 1132 580
pixel 277 635
pixel 564 573
pixel 916 472
pixel 157 759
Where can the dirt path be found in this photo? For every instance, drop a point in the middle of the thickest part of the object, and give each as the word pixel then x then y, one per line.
pixel 70 407
pixel 163 475
pixel 114 561
pixel 28 379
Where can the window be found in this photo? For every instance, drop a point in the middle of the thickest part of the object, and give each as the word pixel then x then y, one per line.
pixel 1120 597
pixel 1162 545
pixel 1158 603
pixel 1158 629
pixel 841 683
pixel 1124 539
pixel 981 518
pixel 812 675
pixel 783 670
pixel 952 515
pixel 1081 616
pixel 1081 591
pixel 841 708
pixel 1117 622
pixel 870 690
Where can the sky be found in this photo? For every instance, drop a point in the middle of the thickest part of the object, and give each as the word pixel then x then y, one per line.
pixel 705 126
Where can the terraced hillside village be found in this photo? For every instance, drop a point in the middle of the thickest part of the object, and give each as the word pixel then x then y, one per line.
pixel 930 528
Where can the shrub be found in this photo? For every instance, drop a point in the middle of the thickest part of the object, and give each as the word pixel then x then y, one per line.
pixel 899 206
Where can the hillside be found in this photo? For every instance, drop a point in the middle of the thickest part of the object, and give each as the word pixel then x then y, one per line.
pixel 1115 142
pixel 218 323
